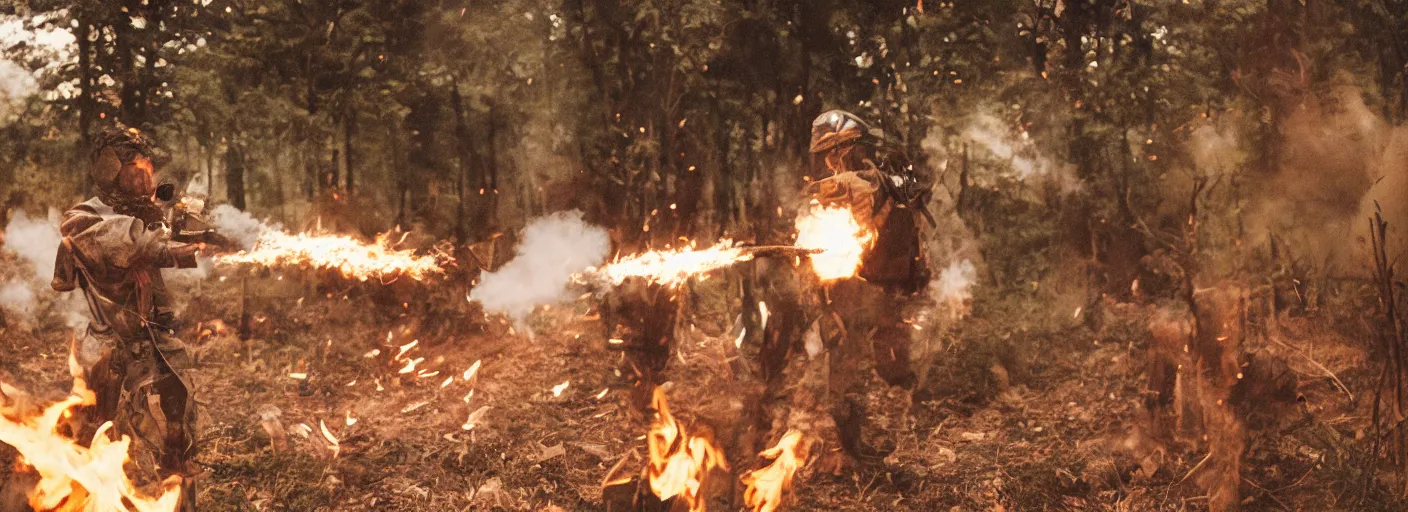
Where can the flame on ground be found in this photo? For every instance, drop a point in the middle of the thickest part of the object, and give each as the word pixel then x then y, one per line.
pixel 679 462
pixel 674 266
pixel 353 258
pixel 842 241
pixel 73 477
pixel 767 487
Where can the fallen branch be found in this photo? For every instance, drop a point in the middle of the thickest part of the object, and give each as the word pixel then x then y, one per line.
pixel 1322 367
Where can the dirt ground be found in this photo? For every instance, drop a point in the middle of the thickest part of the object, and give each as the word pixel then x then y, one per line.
pixel 1015 415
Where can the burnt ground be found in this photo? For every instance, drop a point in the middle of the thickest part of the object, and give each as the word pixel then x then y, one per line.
pixel 1015 414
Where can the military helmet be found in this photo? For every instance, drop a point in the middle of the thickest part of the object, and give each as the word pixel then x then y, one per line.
pixel 836 128
pixel 115 147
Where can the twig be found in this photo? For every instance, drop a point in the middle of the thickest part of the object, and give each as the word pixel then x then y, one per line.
pixel 1269 493
pixel 1196 466
pixel 1322 367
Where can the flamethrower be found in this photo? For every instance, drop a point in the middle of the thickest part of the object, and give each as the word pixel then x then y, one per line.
pixel 186 217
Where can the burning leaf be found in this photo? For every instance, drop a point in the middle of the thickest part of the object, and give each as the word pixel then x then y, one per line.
pixel 768 486
pixel 334 446
pixel 350 420
pixel 473 369
pixel 842 241
pixel 763 313
pixel 406 348
pixel 410 366
pixel 558 389
pixel 679 462
pixel 475 417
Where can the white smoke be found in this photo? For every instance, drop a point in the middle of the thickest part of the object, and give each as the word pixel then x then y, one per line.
pixel 955 283
pixel 239 226
pixel 551 250
pixel 36 241
pixel 1017 151
pixel 17 296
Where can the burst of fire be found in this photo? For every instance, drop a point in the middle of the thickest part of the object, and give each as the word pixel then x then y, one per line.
pixel 679 462
pixel 672 267
pixel 73 477
pixel 353 258
pixel 768 486
pixel 834 231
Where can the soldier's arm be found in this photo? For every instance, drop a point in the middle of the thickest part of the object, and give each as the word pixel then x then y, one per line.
pixel 123 242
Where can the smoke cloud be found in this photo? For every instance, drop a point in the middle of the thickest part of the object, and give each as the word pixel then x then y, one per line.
pixel 955 283
pixel 1335 157
pixel 990 133
pixel 550 251
pixel 36 242
pixel 239 226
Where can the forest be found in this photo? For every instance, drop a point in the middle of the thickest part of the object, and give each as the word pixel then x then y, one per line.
pixel 568 254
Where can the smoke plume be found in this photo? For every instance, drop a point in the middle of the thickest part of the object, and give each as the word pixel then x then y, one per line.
pixel 36 242
pixel 239 226
pixel 1334 157
pixel 550 251
pixel 1026 162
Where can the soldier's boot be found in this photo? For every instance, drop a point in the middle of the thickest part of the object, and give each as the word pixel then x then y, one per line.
pixel 178 447
pixel 850 417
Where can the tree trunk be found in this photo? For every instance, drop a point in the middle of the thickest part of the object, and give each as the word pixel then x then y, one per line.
pixel 349 128
pixel 462 162
pixel 85 80
pixel 234 175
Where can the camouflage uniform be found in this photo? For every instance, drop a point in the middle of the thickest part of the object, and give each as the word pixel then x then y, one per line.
pixel 114 247
pixel 861 321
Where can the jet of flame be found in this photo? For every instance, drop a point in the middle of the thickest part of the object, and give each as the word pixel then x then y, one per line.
pixel 353 258
pixel 833 230
pixel 679 462
pixel 768 486
pixel 73 477
pixel 672 267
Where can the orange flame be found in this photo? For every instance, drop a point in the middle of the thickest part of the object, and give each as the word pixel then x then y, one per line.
pixel 842 241
pixel 674 266
pixel 768 486
pixel 679 462
pixel 73 477
pixel 349 256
